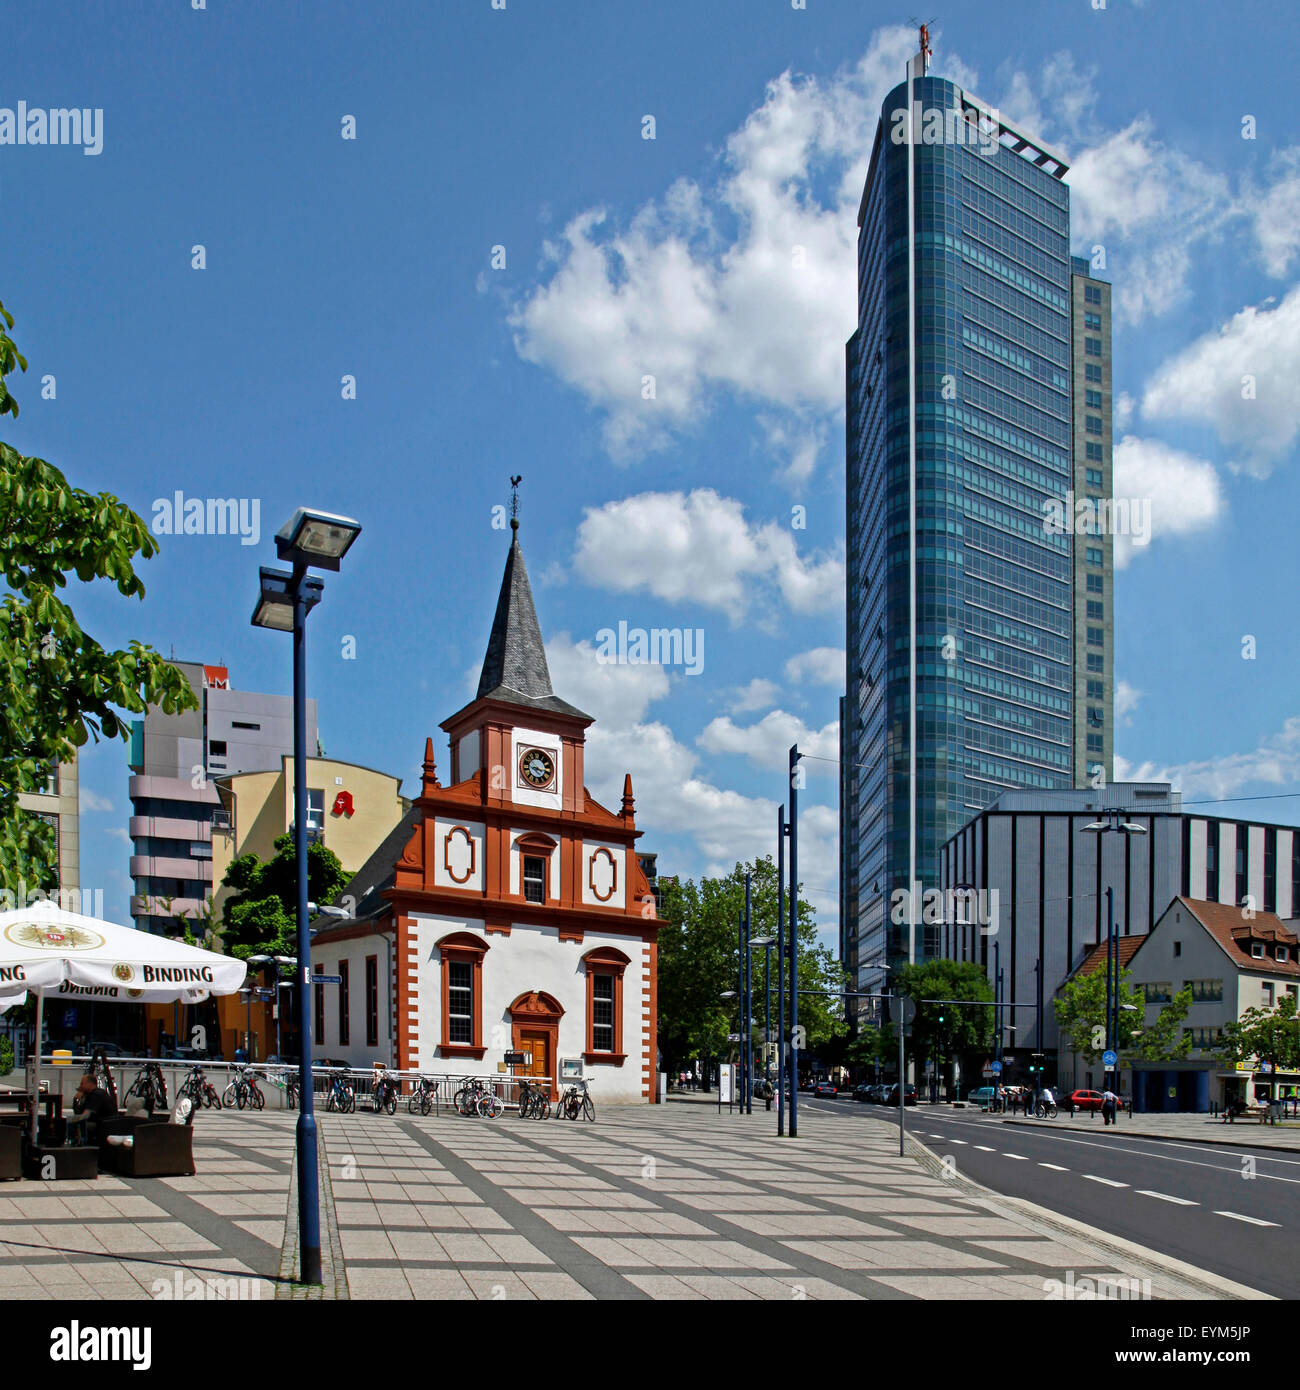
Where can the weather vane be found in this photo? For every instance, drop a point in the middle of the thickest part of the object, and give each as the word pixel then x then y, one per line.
pixel 514 500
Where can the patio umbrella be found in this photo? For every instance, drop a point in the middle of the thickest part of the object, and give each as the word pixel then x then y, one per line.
pixel 67 956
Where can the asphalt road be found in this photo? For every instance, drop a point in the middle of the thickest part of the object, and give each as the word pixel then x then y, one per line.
pixel 1233 1211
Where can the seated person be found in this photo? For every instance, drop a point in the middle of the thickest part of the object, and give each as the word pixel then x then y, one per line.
pixel 95 1103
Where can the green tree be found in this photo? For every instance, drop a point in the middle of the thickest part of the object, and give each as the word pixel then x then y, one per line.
pixel 1166 1040
pixel 58 686
pixel 260 916
pixel 874 1046
pixel 1264 1035
pixel 1081 1013
pixel 699 952
pixel 943 1031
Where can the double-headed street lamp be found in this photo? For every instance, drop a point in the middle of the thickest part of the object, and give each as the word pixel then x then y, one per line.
pixel 1112 824
pixel 309 540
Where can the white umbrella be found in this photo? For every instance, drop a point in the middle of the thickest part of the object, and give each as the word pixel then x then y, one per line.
pixel 68 956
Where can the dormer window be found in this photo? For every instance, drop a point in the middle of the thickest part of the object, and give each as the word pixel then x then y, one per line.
pixel 1281 953
pixel 534 879
pixel 1257 950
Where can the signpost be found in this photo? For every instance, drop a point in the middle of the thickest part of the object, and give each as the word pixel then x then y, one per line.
pixel 327 979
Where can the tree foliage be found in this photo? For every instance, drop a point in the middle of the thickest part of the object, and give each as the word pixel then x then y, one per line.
pixel 260 916
pixel 1081 1014
pixel 1264 1035
pixel 58 686
pixel 699 953
pixel 943 1030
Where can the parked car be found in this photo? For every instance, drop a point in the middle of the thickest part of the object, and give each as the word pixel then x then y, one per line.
pixel 825 1088
pixel 862 1091
pixel 107 1048
pixel 1085 1100
pixel 909 1095
pixel 982 1096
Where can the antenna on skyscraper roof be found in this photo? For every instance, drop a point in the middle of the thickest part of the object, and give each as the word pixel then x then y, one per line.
pixel 925 49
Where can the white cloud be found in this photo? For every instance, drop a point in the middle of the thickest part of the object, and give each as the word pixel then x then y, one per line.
pixel 820 666
pixel 767 743
pixel 1123 410
pixel 1260 417
pixel 614 695
pixel 92 801
pixel 796 444
pixel 1183 491
pixel 699 547
pixel 745 281
pixel 758 694
pixel 1275 763
pixel 117 832
pixel 1127 699
pixel 1277 214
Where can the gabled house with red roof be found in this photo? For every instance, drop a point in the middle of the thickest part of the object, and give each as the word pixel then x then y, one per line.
pixel 507 912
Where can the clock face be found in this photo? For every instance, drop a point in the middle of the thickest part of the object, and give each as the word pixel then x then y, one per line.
pixel 537 768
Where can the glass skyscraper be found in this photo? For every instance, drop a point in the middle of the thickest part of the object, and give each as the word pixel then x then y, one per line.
pixel 994 381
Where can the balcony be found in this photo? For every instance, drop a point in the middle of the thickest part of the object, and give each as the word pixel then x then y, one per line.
pixel 168 828
pixel 147 866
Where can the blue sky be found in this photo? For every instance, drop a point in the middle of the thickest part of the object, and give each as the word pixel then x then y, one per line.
pixel 716 258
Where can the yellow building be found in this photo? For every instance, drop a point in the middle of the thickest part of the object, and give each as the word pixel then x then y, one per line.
pixel 56 801
pixel 351 809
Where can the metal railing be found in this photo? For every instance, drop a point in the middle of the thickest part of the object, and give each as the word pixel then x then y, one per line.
pixel 63 1076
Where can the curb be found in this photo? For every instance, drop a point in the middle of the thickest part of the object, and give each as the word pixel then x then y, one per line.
pixel 1223 1141
pixel 1199 1283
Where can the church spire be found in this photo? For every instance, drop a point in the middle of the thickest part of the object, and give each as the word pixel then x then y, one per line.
pixel 516 659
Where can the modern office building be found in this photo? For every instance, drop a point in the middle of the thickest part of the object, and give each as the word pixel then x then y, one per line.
pixel 1040 879
pixel 56 802
pixel 1094 549
pixel 174 760
pixel 988 357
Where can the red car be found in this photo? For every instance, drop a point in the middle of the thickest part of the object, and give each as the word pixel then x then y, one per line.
pixel 1086 1100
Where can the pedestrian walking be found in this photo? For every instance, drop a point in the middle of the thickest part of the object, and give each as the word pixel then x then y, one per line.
pixel 1109 1100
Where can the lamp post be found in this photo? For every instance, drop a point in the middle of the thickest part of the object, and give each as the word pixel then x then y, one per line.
pixel 309 540
pixel 749 1009
pixel 728 994
pixel 794 941
pixel 1112 824
pixel 764 943
pixel 781 1069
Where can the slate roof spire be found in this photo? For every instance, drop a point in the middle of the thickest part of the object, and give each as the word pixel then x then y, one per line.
pixel 514 668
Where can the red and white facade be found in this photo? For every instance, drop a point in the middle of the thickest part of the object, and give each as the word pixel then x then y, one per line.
pixel 514 917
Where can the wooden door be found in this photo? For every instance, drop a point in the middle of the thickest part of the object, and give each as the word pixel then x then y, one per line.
pixel 538 1044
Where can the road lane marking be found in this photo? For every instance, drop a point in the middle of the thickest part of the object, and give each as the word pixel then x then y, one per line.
pixel 1165 1197
pixel 952 1141
pixel 984 1149
pixel 1254 1220
pixel 1110 1182
pixel 1055 1166
pixel 1021 1157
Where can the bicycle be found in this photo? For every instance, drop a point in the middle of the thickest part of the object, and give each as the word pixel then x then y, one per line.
pixel 489 1104
pixel 576 1101
pixel 466 1099
pixel 150 1087
pixel 342 1099
pixel 422 1096
pixel 1045 1110
pixel 534 1103
pixel 243 1091
pixel 384 1094
pixel 199 1089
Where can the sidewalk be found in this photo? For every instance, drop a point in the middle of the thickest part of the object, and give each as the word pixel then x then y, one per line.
pixel 1202 1129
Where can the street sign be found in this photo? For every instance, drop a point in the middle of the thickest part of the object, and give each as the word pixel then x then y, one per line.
pixel 1109 1058
pixel 327 979
pixel 907 1010
pixel 996 1068
pixel 724 1083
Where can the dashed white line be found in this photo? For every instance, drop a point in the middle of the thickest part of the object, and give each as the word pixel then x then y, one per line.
pixel 1254 1220
pixel 956 1141
pixel 984 1149
pixel 1055 1167
pixel 1165 1197
pixel 1021 1157
pixel 1110 1182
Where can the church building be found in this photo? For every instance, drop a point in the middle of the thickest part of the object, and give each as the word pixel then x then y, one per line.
pixel 507 911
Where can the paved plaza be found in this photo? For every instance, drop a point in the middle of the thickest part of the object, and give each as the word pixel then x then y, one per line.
pixel 661 1202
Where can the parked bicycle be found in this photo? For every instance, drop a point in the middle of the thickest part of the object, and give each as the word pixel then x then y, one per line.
pixel 474 1098
pixel 341 1098
pixel 383 1092
pixel 243 1092
pixel 576 1101
pixel 534 1102
pixel 422 1097
pixel 199 1089
pixel 150 1087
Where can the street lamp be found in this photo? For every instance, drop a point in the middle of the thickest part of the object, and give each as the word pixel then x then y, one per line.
pixel 766 943
pixel 1112 824
pixel 309 540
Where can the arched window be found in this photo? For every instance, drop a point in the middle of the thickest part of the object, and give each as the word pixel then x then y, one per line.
pixel 605 966
pixel 461 954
